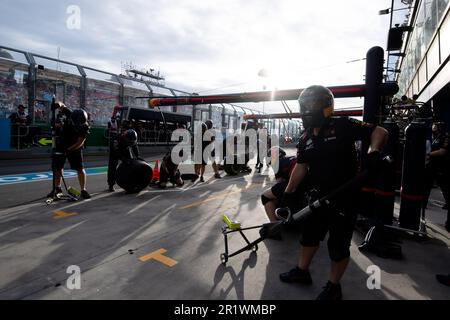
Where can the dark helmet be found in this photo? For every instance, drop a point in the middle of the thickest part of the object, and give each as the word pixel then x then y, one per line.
pixel 316 105
pixel 209 124
pixel 438 127
pixel 130 137
pixel 204 127
pixel 79 117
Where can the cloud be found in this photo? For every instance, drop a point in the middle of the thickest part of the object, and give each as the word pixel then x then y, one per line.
pixel 202 45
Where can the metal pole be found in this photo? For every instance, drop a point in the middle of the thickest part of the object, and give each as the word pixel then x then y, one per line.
pixel 293 94
pixel 83 86
pixel 374 78
pixel 193 118
pixel 31 85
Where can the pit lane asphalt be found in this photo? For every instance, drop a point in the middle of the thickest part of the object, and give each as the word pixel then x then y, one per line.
pixel 111 236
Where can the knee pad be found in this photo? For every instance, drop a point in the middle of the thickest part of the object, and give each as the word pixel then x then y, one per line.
pixel 338 253
pixel 308 241
pixel 265 200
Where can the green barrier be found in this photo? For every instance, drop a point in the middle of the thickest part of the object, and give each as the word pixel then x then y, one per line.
pixel 97 138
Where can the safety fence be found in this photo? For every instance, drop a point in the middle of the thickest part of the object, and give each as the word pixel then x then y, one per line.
pixel 24 136
pixel 32 80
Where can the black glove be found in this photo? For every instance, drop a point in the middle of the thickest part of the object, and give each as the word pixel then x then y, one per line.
pixel 127 161
pixel 374 162
pixel 288 200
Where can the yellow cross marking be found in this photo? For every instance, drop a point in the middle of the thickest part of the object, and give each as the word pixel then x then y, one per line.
pixel 158 256
pixel 61 214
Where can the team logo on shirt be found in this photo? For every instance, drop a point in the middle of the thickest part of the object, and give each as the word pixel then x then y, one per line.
pixel 361 123
pixel 309 144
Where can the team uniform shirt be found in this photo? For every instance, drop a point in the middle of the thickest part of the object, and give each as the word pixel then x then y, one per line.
pixel 69 134
pixel 442 141
pixel 125 151
pixel 19 118
pixel 113 126
pixel 331 155
pixel 285 167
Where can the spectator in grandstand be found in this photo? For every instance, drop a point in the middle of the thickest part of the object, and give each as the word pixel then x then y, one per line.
pixel 20 117
pixel 19 132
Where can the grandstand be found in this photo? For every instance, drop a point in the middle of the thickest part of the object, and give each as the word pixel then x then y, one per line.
pixel 32 79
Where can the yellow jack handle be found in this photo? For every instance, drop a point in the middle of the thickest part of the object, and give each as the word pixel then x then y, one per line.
pixel 233 225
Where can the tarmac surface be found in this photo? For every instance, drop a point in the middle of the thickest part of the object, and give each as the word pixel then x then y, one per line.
pixel 166 244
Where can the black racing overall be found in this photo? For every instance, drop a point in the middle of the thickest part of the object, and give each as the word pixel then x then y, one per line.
pixel 331 159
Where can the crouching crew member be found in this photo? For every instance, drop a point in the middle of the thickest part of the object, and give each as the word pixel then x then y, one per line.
pixel 272 197
pixel 327 152
pixel 124 147
pixel 71 135
pixel 169 172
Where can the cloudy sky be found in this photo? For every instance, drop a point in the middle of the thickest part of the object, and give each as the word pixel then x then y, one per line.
pixel 207 46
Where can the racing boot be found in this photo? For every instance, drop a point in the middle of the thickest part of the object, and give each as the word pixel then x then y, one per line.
pixel 331 291
pixel 296 275
pixel 444 279
pixel 85 195
pixel 57 193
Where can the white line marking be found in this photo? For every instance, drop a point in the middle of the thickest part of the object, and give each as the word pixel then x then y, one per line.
pixel 142 205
